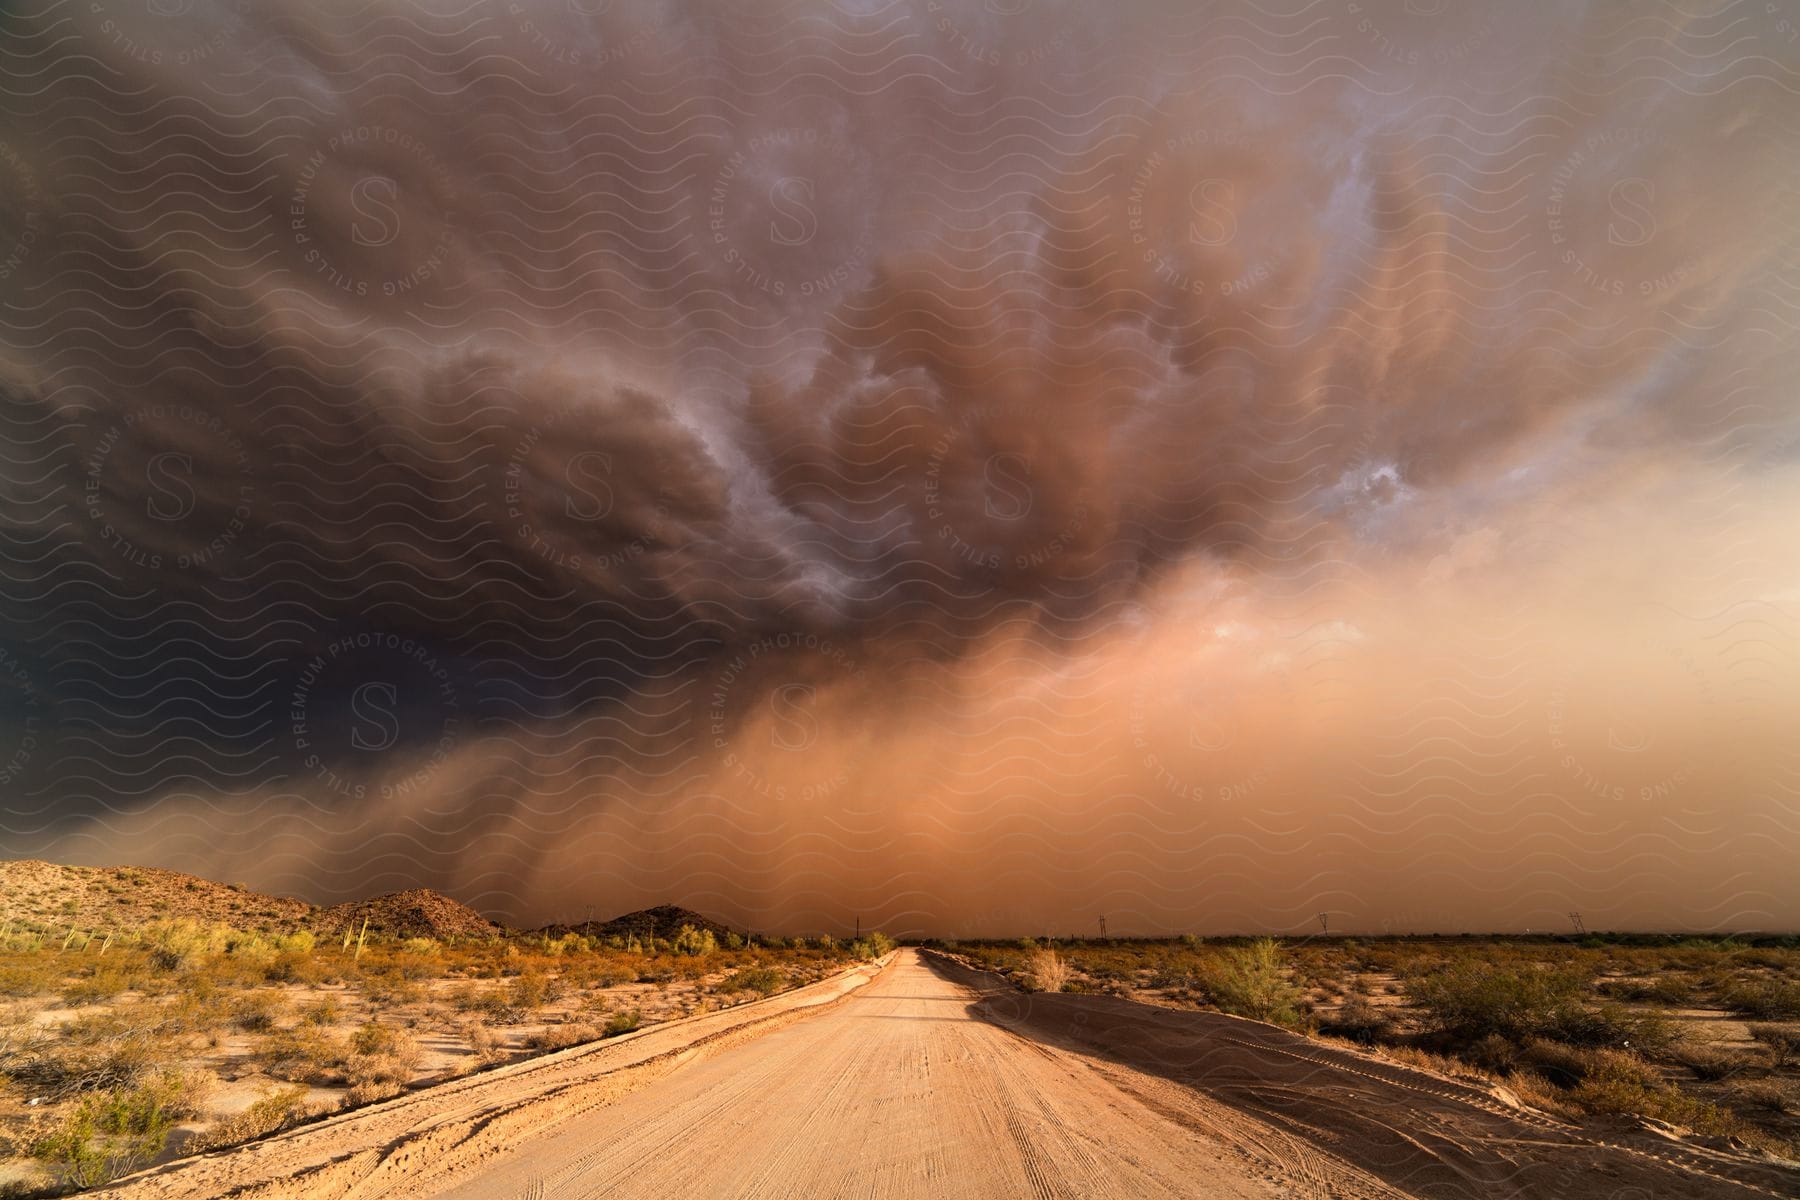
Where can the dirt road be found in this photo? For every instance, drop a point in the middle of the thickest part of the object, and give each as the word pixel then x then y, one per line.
pixel 936 1081
pixel 901 1092
pixel 931 1080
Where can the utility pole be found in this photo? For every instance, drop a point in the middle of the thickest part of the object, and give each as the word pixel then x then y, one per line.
pixel 1580 928
pixel 1324 922
pixel 1103 928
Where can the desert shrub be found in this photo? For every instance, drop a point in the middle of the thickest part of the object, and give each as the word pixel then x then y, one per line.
pixel 257 1012
pixel 623 1022
pixel 1783 1042
pixel 1674 990
pixel 179 945
pixel 1619 1084
pixel 1712 1062
pixel 1360 1021
pixel 467 998
pixel 1570 1066
pixel 561 1037
pixel 102 983
pixel 250 950
pixel 29 979
pixel 371 1091
pixel 1764 1095
pixel 302 1055
pixel 1764 999
pixel 1494 1053
pixel 198 1009
pixel 381 1057
pixel 1469 1001
pixel 1170 977
pixel 102 1052
pixel 1608 1025
pixel 272 1113
pixel 766 980
pixel 1251 981
pixel 323 1013
pixel 181 1094
pixel 694 942
pixel 532 990
pixel 292 966
pixel 390 987
pixel 112 1134
pixel 375 1038
pixel 482 1043
pixel 300 941
pixel 613 976
pixel 1049 971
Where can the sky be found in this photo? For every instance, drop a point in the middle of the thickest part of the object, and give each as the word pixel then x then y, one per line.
pixel 963 466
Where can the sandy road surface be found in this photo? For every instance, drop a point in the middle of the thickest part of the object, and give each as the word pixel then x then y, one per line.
pixel 932 1080
pixel 898 1093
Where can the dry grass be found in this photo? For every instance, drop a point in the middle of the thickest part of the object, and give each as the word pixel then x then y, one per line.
pixel 1049 971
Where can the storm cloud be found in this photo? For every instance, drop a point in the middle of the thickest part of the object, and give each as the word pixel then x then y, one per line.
pixel 968 465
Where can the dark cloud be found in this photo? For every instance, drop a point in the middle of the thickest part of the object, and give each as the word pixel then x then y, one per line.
pixel 497 380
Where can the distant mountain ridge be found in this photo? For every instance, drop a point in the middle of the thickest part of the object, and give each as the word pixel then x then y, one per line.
pixel 662 921
pixel 50 895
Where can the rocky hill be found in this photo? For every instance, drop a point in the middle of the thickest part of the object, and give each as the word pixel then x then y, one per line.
pixel 48 894
pixel 420 912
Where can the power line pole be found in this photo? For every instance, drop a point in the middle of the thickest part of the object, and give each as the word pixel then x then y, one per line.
pixel 1580 927
pixel 1103 928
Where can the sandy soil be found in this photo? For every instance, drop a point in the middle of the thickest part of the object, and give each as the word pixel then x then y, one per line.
pixel 933 1080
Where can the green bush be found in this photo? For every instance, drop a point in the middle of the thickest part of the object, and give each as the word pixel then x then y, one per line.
pixel 375 1038
pixel 177 945
pixel 623 1022
pixel 1470 1001
pixel 115 1133
pixel 529 991
pixel 1609 1026
pixel 694 942
pixel 1252 981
